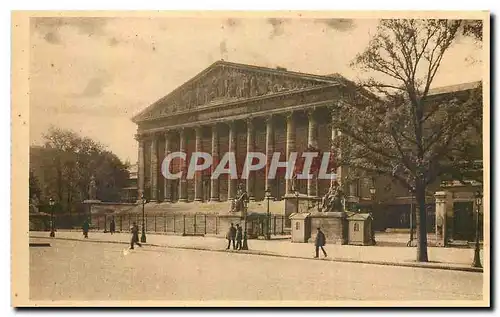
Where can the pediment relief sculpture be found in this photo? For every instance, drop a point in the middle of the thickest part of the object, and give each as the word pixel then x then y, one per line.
pixel 225 84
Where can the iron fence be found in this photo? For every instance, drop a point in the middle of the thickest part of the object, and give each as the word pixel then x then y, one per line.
pixel 195 224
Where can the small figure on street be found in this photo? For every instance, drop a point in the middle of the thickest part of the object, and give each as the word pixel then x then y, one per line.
pixel 112 225
pixel 231 234
pixel 320 243
pixel 85 228
pixel 372 230
pixel 239 236
pixel 135 236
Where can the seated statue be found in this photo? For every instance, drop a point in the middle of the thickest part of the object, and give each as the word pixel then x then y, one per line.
pixel 239 202
pixel 332 201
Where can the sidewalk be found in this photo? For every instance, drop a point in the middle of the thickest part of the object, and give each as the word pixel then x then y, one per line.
pixel 441 258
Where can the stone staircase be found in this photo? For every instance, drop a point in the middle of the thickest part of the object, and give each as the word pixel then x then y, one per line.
pixel 209 208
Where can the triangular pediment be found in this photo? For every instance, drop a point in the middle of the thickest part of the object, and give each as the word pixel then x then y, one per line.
pixel 224 82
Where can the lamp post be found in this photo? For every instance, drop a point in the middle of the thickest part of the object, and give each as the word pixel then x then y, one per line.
pixel 51 204
pixel 143 235
pixel 245 238
pixel 477 257
pixel 297 201
pixel 410 242
pixel 373 191
pixel 268 233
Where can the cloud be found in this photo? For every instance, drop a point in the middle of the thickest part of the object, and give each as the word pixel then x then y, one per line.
pixel 232 23
pixel 113 41
pixel 50 27
pixel 338 24
pixel 52 38
pixel 278 26
pixel 95 87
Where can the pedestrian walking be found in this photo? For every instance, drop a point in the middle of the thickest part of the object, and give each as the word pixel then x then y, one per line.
pixel 135 236
pixel 85 228
pixel 231 234
pixel 112 225
pixel 320 242
pixel 239 236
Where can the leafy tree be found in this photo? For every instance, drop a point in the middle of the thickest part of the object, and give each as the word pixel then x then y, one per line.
pixel 474 29
pixel 394 126
pixel 67 161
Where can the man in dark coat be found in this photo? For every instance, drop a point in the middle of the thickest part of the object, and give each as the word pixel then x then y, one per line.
pixel 135 236
pixel 320 242
pixel 239 236
pixel 231 234
pixel 85 228
pixel 112 225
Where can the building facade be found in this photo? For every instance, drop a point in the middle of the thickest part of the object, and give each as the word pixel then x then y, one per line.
pixel 238 108
pixel 244 108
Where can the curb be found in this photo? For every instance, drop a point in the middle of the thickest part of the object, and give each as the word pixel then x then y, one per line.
pixel 424 265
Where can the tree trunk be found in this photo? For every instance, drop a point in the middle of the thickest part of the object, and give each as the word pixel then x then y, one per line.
pixel 421 223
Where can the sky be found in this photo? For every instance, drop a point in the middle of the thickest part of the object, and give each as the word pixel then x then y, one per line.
pixel 91 75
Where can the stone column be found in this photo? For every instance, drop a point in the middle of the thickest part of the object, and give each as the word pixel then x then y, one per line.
pixel 335 150
pixel 140 167
pixel 198 176
pixel 183 167
pixel 441 204
pixel 269 153
pixel 167 182
pixel 231 183
pixel 312 140
pixel 154 168
pixel 290 147
pixel 214 185
pixel 250 148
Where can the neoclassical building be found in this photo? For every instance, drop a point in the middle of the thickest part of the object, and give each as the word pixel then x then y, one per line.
pixel 243 108
pixel 239 108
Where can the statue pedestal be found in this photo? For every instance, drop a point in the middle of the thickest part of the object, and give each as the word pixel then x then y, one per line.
pixel 333 224
pixel 226 219
pixel 300 204
pixel 89 203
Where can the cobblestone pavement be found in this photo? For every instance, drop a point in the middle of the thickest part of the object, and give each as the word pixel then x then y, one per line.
pixel 459 258
pixel 74 270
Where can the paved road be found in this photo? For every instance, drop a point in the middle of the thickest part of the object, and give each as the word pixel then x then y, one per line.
pixel 71 270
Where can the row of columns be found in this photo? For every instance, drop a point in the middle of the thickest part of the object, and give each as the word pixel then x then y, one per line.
pixel 232 183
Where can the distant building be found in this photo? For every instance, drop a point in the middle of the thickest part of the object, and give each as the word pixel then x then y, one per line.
pixel 129 193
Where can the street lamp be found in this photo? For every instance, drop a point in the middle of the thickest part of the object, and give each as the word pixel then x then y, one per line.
pixel 297 201
pixel 373 191
pixel 143 235
pixel 245 238
pixel 51 204
pixel 410 243
pixel 268 197
pixel 477 258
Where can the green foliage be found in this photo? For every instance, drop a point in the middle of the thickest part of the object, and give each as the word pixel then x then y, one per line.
pixel 67 161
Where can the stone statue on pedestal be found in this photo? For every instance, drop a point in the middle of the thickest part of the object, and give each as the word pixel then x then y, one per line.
pixel 332 201
pixel 240 201
pixel 92 189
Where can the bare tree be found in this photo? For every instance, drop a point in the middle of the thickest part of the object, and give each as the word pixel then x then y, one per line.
pixel 393 126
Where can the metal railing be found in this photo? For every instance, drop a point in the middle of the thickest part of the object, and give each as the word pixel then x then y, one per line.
pixel 197 224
